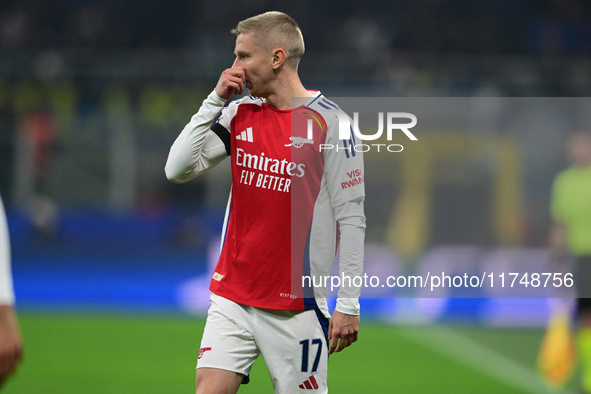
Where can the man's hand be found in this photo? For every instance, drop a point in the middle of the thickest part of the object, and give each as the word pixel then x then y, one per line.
pixel 231 81
pixel 342 331
pixel 11 345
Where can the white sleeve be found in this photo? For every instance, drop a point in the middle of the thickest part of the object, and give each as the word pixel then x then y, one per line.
pixel 345 179
pixel 197 148
pixel 6 290
pixel 351 220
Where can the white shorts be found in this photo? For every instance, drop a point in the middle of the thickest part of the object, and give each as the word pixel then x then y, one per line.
pixel 293 344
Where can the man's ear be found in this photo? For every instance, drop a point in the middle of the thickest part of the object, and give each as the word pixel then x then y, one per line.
pixel 279 57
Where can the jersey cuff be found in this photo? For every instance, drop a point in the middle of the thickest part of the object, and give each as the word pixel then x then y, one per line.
pixel 216 99
pixel 348 306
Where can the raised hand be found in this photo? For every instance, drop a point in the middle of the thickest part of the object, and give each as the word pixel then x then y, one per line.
pixel 231 82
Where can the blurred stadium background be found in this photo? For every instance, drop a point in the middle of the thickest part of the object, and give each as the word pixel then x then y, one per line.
pixel 111 261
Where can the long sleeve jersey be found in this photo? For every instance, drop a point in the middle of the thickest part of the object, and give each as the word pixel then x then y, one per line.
pixel 297 192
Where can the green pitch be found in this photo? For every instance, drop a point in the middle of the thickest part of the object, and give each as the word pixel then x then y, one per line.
pixel 70 353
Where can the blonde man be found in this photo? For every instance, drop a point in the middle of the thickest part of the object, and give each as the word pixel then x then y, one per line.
pixel 288 193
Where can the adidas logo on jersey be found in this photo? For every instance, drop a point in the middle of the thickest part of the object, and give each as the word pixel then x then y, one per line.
pixel 246 135
pixel 309 384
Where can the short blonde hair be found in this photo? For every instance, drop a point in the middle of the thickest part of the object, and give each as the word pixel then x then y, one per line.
pixel 275 29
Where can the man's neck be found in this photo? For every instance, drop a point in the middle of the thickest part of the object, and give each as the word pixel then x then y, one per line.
pixel 581 163
pixel 282 94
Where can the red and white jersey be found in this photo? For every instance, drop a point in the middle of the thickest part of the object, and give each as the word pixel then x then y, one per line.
pixel 290 172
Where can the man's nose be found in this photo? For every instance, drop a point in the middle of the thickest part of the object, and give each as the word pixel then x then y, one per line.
pixel 236 61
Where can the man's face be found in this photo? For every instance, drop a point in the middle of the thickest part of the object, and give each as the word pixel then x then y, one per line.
pixel 257 64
